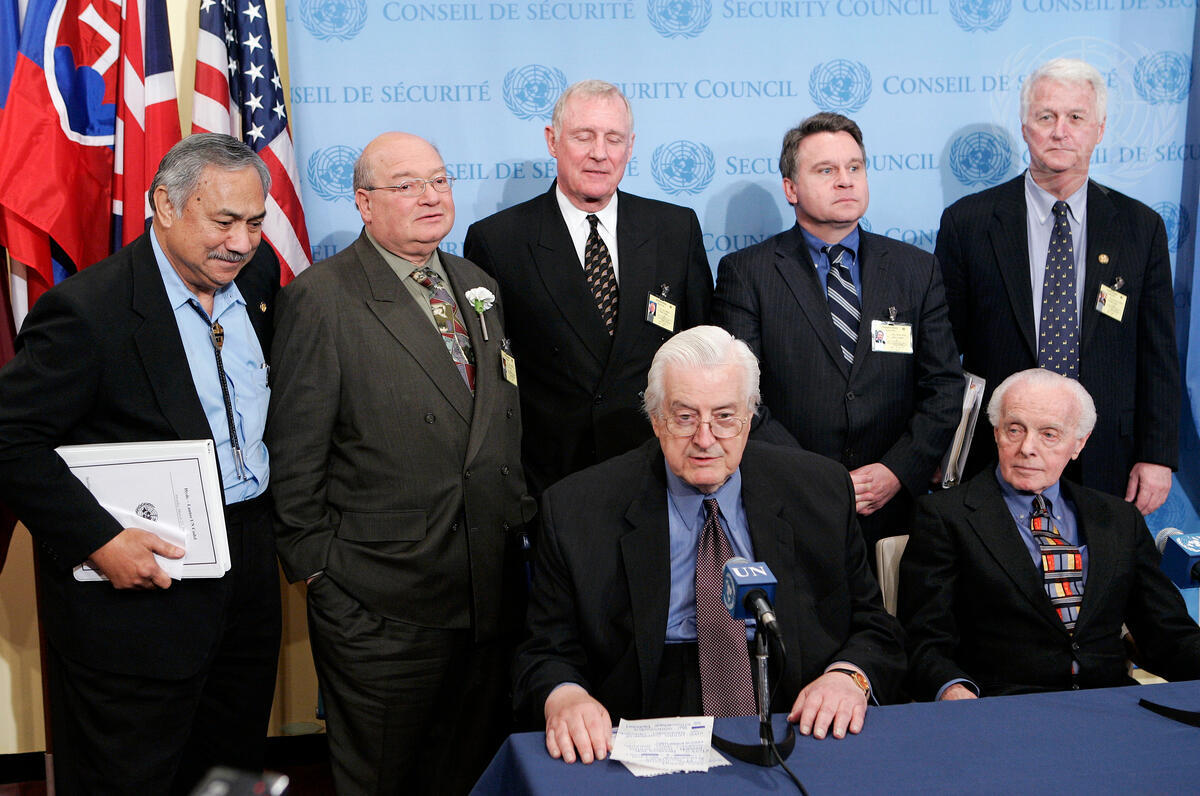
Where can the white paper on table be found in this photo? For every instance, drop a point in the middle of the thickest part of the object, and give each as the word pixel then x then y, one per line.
pixel 715 759
pixel 173 484
pixel 673 744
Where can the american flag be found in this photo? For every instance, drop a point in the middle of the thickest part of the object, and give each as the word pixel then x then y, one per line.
pixel 147 113
pixel 238 92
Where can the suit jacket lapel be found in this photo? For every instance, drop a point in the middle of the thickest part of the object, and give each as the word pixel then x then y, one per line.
pixel 1095 522
pixel 990 519
pixel 773 537
pixel 396 309
pixel 559 267
pixel 646 555
pixel 796 267
pixel 161 348
pixel 636 251
pixel 876 293
pixel 1102 238
pixel 1010 245
pixel 487 365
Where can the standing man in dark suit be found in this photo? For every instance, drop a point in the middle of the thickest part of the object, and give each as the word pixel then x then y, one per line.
pixel 152 682
pixel 396 431
pixel 997 250
pixel 625 614
pixel 594 279
pixel 1019 581
pixel 851 329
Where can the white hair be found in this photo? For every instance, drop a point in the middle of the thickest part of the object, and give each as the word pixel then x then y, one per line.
pixel 1085 416
pixel 1071 71
pixel 701 347
pixel 587 89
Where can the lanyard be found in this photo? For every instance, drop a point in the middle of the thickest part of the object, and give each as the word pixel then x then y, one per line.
pixel 217 334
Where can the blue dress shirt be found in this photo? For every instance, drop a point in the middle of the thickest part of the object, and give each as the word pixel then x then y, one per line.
pixel 685 515
pixel 1020 506
pixel 245 373
pixel 819 258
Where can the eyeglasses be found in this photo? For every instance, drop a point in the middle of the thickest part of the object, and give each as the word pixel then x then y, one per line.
pixel 723 424
pixel 410 189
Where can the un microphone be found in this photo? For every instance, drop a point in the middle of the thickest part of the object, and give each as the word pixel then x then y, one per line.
pixel 1180 556
pixel 749 588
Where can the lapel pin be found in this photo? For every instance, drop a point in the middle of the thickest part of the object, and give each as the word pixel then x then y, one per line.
pixel 262 306
pixel 1103 258
pixel 664 289
pixel 1118 282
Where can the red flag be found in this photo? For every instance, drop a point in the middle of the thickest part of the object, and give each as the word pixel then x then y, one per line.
pixel 147 115
pixel 56 135
pixel 251 107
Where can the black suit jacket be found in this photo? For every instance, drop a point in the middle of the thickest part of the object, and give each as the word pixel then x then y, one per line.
pixel 598 608
pixel 100 359
pixel 898 409
pixel 580 388
pixel 1130 367
pixel 974 605
pixel 387 473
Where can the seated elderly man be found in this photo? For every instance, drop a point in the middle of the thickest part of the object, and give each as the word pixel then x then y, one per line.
pixel 1018 581
pixel 625 614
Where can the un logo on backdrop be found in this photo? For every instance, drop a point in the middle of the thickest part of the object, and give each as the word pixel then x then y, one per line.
pixel 334 19
pixel 530 91
pixel 1176 219
pixel 687 18
pixel 985 15
pixel 1163 77
pixel 331 172
pixel 841 86
pixel 683 167
pixel 980 158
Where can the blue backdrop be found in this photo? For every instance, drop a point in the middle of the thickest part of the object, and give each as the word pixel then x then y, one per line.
pixel 714 84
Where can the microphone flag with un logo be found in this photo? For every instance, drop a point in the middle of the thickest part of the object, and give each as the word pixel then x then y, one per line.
pixel 742 577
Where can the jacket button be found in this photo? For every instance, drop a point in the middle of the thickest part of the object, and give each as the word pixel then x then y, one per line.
pixel 850 396
pixel 454 526
pixel 467 474
pixel 1075 646
pixel 1074 686
pixel 599 399
pixel 429 418
pixel 504 469
pixel 504 526
pixel 508 413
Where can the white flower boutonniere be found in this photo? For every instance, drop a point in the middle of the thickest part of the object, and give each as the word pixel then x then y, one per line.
pixel 482 300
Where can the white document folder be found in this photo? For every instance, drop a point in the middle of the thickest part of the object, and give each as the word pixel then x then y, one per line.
pixel 172 489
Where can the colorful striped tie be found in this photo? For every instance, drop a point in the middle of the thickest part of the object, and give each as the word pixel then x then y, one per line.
pixel 1062 564
pixel 843 300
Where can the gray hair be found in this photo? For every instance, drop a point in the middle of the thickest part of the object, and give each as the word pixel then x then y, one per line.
pixel 587 89
pixel 823 122
pixel 1085 416
pixel 701 347
pixel 1071 71
pixel 180 169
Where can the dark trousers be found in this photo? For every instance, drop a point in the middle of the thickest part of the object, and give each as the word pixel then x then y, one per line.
pixel 408 709
pixel 122 734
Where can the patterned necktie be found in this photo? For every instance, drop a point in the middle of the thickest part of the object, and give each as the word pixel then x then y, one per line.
pixel 1062 564
pixel 449 323
pixel 725 682
pixel 1058 332
pixel 843 300
pixel 601 278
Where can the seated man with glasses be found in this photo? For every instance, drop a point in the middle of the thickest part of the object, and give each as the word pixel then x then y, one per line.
pixel 625 616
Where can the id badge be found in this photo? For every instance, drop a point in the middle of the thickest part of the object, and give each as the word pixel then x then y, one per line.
pixel 891 338
pixel 508 367
pixel 1111 302
pixel 660 312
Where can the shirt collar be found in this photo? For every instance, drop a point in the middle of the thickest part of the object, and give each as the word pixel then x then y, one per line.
pixel 1052 493
pixel 178 293
pixel 815 244
pixel 690 501
pixel 576 217
pixel 1041 202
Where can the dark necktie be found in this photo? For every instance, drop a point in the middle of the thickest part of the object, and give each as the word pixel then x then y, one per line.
pixel 601 278
pixel 843 300
pixel 726 687
pixel 1062 564
pixel 449 323
pixel 1058 331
